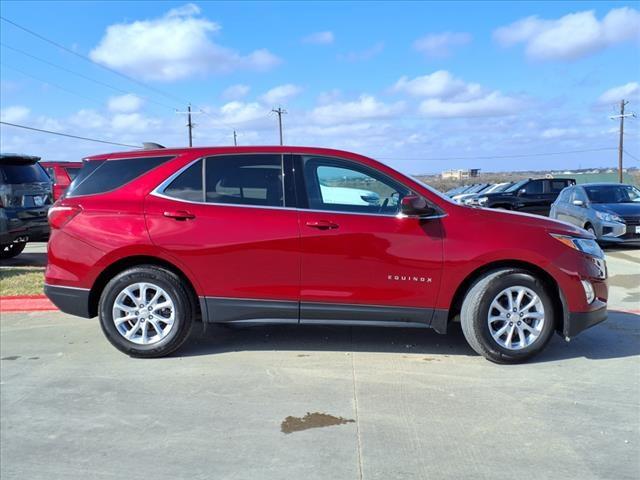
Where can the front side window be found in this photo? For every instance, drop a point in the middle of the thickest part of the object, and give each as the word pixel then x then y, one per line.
pixel 339 185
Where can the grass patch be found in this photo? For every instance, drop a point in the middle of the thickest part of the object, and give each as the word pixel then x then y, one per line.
pixel 21 281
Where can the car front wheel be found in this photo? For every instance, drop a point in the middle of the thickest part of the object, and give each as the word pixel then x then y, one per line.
pixel 507 316
pixel 146 311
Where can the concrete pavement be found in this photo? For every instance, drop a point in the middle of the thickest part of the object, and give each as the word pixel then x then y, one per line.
pixel 423 405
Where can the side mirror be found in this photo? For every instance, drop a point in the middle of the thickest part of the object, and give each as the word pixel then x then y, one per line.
pixel 578 203
pixel 416 206
pixel 522 191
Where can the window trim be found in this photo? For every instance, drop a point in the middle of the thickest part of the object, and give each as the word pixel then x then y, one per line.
pixel 159 190
pixel 296 164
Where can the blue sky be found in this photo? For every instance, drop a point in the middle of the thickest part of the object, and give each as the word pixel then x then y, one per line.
pixel 414 84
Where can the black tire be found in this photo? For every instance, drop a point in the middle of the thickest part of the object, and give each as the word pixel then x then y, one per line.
pixel 173 285
pixel 475 311
pixel 11 250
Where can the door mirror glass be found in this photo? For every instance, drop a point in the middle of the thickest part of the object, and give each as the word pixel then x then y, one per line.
pixel 578 203
pixel 522 191
pixel 416 206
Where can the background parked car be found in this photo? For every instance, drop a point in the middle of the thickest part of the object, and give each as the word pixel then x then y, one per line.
pixel 25 198
pixel 465 198
pixel 531 196
pixel 609 211
pixel 62 174
pixel 480 187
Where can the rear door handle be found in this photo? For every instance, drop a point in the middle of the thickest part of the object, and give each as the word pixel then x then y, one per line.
pixel 179 215
pixel 322 224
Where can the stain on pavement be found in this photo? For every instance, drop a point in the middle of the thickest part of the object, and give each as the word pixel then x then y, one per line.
pixel 312 420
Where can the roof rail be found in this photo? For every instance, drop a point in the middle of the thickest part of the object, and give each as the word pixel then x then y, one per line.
pixel 152 146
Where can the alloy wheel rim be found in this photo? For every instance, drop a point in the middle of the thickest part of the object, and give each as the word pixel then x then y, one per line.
pixel 144 313
pixel 516 318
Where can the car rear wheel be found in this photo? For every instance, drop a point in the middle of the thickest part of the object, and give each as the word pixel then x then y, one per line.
pixel 11 250
pixel 507 316
pixel 146 311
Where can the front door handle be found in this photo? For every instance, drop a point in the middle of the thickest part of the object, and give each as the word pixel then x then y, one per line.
pixel 322 224
pixel 179 215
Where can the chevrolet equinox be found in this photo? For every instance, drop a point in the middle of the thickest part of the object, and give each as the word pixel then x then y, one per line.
pixel 154 240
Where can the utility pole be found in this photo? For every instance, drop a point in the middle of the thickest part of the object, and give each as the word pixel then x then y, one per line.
pixel 235 138
pixel 280 112
pixel 190 124
pixel 621 141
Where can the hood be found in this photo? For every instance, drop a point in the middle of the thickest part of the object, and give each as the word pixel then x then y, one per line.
pixel 530 220
pixel 622 209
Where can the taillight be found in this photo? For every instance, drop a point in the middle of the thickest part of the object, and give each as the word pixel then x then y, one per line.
pixel 60 215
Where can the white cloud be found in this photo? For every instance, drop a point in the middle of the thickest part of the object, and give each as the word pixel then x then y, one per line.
pixel 320 38
pixel 573 36
pixel 366 107
pixel 440 45
pixel 132 122
pixel 627 91
pixel 448 96
pixel 240 112
pixel 235 92
pixel 125 103
pixel 14 114
pixel 363 55
pixel 555 133
pixel 281 93
pixel 173 47
pixel 489 105
pixel 86 118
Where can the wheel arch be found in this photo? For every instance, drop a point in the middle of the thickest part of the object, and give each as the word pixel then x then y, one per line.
pixel 553 288
pixel 122 264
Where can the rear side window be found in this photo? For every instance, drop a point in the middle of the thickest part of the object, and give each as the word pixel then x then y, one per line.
pixel 533 188
pixel 245 180
pixel 106 175
pixel 23 173
pixel 565 196
pixel 558 185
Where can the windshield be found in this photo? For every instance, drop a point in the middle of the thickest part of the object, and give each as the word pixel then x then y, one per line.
pixel 516 186
pixel 613 193
pixel 501 187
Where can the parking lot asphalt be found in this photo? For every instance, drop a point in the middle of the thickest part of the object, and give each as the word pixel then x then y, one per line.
pixel 399 403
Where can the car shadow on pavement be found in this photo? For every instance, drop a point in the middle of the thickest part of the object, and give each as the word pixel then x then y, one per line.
pixel 618 337
pixel 26 260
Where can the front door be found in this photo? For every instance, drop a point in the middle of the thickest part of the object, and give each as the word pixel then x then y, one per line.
pixel 360 260
pixel 224 218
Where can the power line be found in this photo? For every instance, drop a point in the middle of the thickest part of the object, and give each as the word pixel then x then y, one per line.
pixel 47 82
pixel 90 60
pixel 495 157
pixel 632 156
pixel 81 75
pixel 69 135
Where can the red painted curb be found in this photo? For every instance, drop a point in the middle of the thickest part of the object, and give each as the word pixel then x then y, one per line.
pixel 26 303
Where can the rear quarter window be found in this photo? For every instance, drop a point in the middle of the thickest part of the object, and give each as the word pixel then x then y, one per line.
pixel 100 176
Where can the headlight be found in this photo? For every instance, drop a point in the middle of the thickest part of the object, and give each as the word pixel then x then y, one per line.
pixel 609 217
pixel 482 200
pixel 585 245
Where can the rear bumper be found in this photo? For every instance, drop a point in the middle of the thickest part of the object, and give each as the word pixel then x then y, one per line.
pixel 577 322
pixel 31 232
pixel 74 301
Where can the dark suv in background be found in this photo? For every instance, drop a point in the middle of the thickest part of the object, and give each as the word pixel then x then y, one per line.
pixel 25 198
pixel 531 195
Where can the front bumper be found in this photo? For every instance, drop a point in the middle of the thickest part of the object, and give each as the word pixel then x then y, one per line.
pixel 576 322
pixel 74 301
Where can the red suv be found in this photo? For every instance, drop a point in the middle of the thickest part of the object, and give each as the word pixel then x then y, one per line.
pixel 153 241
pixel 62 174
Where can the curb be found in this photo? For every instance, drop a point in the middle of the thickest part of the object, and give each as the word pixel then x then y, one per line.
pixel 26 303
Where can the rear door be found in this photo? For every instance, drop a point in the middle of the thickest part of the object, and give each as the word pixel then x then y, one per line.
pixel 360 260
pixel 227 219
